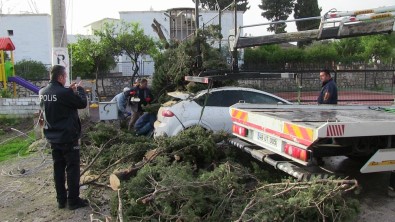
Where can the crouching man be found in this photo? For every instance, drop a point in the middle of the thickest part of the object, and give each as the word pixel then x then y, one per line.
pixel 145 124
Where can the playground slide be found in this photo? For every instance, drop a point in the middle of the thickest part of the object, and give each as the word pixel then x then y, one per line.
pixel 22 82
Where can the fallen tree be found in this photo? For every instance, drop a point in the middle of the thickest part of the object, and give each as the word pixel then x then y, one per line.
pixel 196 177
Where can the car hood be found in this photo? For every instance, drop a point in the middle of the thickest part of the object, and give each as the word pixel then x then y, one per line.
pixel 180 95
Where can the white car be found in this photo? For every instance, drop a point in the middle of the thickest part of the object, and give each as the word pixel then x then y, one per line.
pixel 175 116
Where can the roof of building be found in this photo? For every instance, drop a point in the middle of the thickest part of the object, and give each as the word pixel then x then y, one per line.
pixel 101 21
pixel 6 44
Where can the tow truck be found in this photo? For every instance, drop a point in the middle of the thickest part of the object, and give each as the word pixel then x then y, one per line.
pixel 304 134
pixel 296 138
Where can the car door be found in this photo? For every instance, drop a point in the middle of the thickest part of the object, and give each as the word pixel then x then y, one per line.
pixel 216 112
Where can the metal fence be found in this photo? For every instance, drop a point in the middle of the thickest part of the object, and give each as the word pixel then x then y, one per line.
pixel 146 68
pixel 357 83
pixel 357 86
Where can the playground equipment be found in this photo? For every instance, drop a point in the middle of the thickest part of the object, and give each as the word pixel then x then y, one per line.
pixel 6 66
pixel 7 71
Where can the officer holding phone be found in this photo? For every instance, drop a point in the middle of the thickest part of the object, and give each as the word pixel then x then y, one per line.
pixel 62 129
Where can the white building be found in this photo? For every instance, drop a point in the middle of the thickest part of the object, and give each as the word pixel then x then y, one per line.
pixel 97 25
pixel 31 35
pixel 175 23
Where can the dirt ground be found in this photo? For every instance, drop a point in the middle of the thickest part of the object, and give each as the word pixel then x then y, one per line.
pixel 376 205
pixel 27 192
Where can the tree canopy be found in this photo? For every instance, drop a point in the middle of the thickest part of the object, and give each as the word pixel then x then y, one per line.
pixel 374 49
pixel 130 40
pixel 305 9
pixel 91 56
pixel 242 5
pixel 181 59
pixel 276 10
pixel 30 69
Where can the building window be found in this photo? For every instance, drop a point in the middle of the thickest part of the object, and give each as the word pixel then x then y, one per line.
pixel 10 32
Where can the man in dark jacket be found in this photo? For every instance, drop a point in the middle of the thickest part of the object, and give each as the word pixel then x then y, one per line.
pixel 139 95
pixel 328 94
pixel 62 129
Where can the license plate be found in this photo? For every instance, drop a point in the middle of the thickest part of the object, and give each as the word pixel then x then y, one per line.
pixel 269 140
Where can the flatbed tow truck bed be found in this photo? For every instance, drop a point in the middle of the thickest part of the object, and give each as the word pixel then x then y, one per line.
pixel 303 134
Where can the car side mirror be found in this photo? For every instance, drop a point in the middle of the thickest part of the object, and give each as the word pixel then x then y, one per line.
pixel 242 101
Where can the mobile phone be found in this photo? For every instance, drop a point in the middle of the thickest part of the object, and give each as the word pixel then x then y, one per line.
pixel 78 79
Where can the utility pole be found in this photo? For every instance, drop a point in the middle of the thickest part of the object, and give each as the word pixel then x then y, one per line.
pixel 220 27
pixel 198 57
pixel 235 60
pixel 59 33
pixel 59 36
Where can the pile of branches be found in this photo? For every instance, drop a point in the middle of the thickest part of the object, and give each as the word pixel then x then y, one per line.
pixel 195 176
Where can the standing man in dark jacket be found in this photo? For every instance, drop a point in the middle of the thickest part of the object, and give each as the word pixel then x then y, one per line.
pixel 142 93
pixel 62 129
pixel 328 94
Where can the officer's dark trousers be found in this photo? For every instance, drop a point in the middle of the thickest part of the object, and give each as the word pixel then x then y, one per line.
pixel 66 161
pixel 392 180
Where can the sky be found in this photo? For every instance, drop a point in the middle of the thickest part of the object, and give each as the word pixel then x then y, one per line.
pixel 80 13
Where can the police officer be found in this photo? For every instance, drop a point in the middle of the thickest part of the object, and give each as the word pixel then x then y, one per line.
pixel 328 94
pixel 62 129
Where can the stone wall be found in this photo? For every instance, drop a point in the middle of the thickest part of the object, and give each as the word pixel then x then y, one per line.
pixel 310 81
pixel 113 85
pixel 26 102
pixel 371 79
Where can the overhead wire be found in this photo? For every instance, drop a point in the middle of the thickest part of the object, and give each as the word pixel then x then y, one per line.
pixel 71 2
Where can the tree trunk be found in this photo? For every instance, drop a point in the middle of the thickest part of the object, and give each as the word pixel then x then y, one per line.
pixel 97 84
pixel 135 68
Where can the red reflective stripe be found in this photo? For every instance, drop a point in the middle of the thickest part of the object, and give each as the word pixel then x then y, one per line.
pixel 290 129
pixel 234 112
pixel 298 131
pixel 305 134
pixel 273 132
pixel 335 130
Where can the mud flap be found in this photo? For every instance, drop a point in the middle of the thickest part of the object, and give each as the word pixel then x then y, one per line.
pixel 382 160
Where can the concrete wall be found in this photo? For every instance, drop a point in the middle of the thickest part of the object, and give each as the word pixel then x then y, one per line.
pixel 25 107
pixel 20 106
